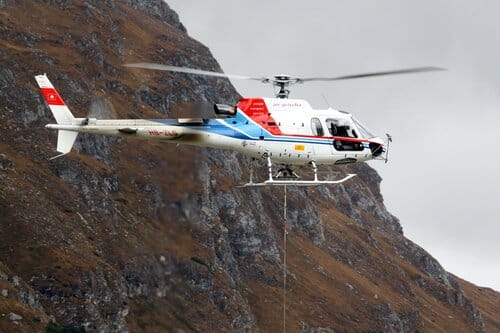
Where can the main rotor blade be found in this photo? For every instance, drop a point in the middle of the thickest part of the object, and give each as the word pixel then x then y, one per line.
pixel 358 76
pixel 147 65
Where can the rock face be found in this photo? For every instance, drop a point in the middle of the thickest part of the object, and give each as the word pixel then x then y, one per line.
pixel 132 236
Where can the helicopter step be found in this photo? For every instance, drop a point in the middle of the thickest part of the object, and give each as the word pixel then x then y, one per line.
pixel 287 177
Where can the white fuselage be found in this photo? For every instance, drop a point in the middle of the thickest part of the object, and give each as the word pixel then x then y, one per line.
pixel 287 131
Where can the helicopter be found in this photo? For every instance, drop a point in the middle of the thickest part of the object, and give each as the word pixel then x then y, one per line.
pixel 279 130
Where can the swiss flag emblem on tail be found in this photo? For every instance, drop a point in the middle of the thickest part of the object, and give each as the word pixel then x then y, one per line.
pixel 52 97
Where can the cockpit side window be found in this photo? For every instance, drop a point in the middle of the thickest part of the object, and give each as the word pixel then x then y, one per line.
pixel 333 126
pixel 317 128
pixel 341 128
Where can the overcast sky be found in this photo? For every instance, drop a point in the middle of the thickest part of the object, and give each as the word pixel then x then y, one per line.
pixel 442 180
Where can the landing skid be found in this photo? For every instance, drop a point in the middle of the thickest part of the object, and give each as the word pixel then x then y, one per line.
pixel 287 177
pixel 298 182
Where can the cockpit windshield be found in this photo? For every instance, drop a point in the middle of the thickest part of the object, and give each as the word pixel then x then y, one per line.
pixel 365 132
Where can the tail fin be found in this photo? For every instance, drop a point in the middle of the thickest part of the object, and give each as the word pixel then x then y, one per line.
pixel 65 138
pixel 56 104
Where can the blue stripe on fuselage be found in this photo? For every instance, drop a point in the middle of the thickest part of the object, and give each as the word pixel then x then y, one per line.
pixel 243 128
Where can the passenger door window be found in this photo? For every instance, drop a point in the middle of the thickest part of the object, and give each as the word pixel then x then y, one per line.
pixel 317 128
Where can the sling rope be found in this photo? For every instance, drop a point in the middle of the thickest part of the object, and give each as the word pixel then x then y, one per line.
pixel 284 259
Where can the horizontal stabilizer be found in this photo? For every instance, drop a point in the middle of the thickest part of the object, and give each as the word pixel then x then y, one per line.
pixel 65 141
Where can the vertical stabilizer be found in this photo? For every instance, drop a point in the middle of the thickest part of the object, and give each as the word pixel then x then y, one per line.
pixel 56 104
pixel 65 138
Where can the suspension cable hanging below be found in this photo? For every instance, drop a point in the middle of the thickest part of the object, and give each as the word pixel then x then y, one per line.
pixel 284 259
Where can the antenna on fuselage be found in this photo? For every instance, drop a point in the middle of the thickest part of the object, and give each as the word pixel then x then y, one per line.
pixel 326 100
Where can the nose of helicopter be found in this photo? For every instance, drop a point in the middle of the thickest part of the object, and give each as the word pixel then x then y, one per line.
pixel 377 146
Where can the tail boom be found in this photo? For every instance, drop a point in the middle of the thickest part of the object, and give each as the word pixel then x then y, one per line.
pixel 121 128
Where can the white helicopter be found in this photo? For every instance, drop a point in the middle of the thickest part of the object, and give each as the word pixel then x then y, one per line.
pixel 278 130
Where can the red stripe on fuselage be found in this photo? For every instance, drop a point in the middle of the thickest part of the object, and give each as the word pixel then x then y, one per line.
pixel 52 97
pixel 337 138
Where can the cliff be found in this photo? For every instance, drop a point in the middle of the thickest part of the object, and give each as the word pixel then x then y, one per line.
pixel 139 236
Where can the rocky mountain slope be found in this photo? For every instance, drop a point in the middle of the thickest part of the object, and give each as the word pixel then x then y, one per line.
pixel 147 237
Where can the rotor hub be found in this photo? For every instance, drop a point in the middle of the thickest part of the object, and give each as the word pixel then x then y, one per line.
pixel 282 78
pixel 281 83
